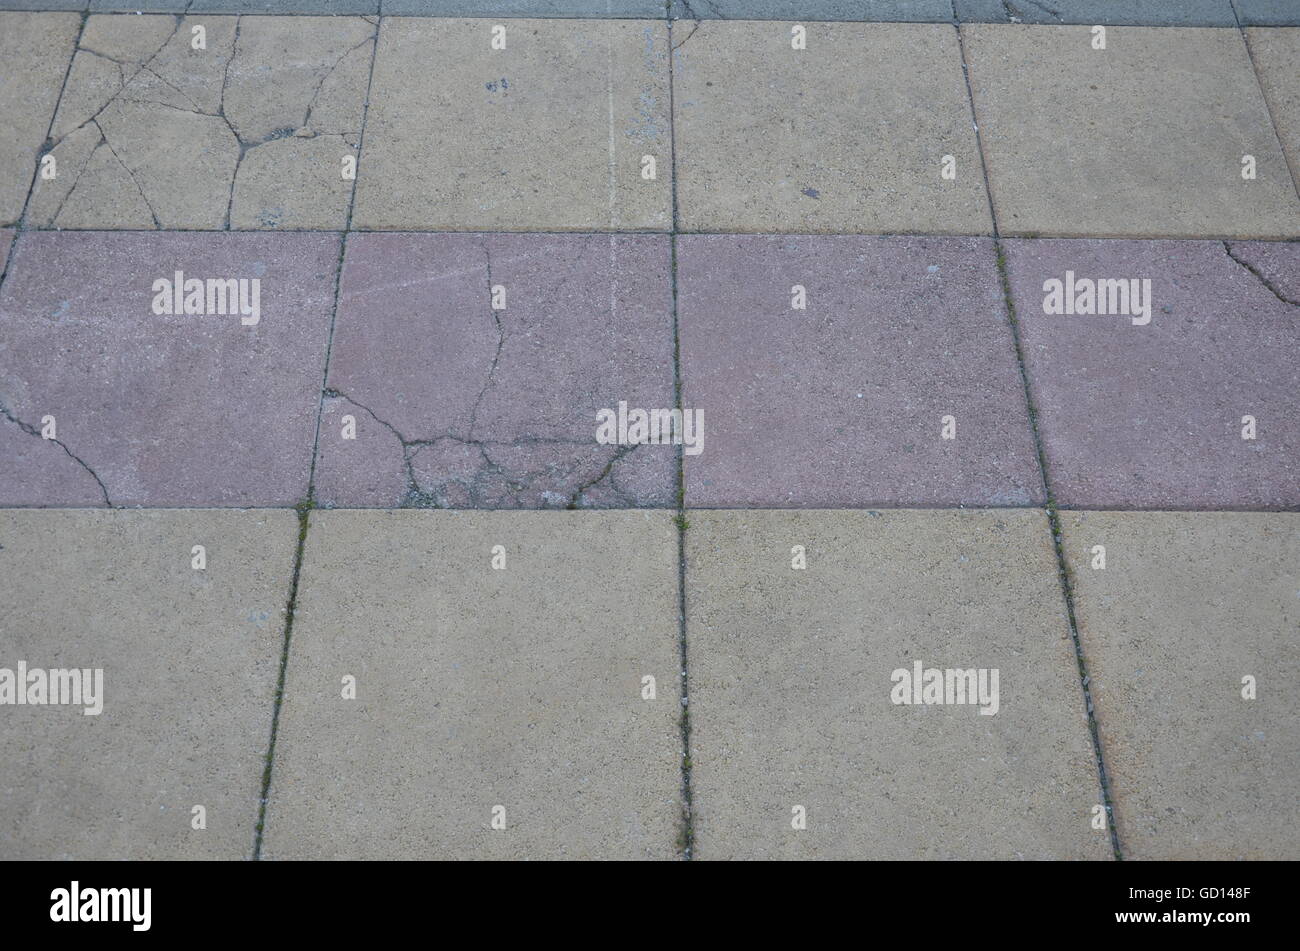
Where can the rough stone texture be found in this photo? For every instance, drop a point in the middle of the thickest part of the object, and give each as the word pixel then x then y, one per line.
pixel 478 687
pixel 1142 139
pixel 190 660
pixel 1277 61
pixel 842 404
pixel 1190 603
pixel 151 133
pixel 6 239
pixel 1267 12
pixel 156 409
pixel 459 405
pixel 1108 12
pixel 844 136
pixel 791 680
pixel 1151 416
pixel 547 134
pixel 904 10
pixel 34 52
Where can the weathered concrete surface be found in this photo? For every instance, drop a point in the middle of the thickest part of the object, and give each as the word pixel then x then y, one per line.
pixel 801 10
pixel 1108 12
pixel 1267 12
pixel 324 7
pixel 843 403
pixel 161 409
pixel 1142 139
pixel 249 133
pixel 476 688
pixel 1151 416
pixel 844 136
pixel 189 658
pixel 6 239
pixel 646 9
pixel 34 52
pixel 459 405
pixel 28 5
pixel 1276 55
pixel 1187 606
pixel 791 680
pixel 547 134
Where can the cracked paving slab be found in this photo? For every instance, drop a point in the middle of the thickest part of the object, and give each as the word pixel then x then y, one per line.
pixel 1187 606
pixel 1142 139
pixel 792 683
pixel 160 409
pixel 853 132
pixel 455 404
pixel 190 660
pixel 551 133
pixel 843 403
pixel 519 687
pixel 35 49
pixel 1151 415
pixel 249 133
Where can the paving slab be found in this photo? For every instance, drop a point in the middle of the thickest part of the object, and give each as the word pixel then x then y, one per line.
pixel 854 130
pixel 189 660
pixel 42 5
pixel 1145 138
pixel 1267 12
pixel 1107 12
pixel 793 684
pixel 324 7
pixel 35 49
pixel 555 132
pixel 892 10
pixel 158 409
pixel 1147 409
pixel 636 9
pixel 1276 55
pixel 844 403
pixel 477 688
pixel 6 239
pixel 455 404
pixel 250 133
pixel 1187 606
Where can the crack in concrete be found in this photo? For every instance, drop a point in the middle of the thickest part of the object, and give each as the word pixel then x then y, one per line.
pixel 33 431
pixel 501 341
pixel 677 46
pixel 418 495
pixel 1037 4
pixel 129 174
pixel 311 103
pixel 1259 275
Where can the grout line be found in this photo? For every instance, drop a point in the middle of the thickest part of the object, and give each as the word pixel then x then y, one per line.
pixel 1268 108
pixel 291 608
pixel 687 839
pixel 1062 567
pixel 1024 236
pixel 305 507
pixel 1053 516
